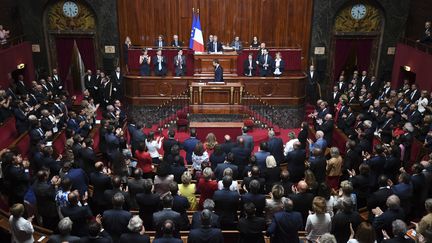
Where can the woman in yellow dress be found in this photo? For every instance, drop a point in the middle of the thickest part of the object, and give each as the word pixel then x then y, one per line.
pixel 187 189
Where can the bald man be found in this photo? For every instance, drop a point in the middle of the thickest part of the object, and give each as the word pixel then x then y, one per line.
pixel 302 200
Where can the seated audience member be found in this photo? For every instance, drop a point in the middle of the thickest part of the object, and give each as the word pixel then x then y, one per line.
pixel 254 196
pixel 115 221
pixel 226 204
pixel 196 216
pixel 148 203
pixel 285 224
pixel 302 199
pixel 21 228
pixel 167 233
pixel 236 44
pixel 64 229
pixel 383 220
pixel 274 204
pixel 234 186
pixel 278 65
pixel 319 222
pixel 250 226
pixel 343 219
pixel 254 43
pixel 205 233
pixel 79 215
pixel 399 230
pixel 176 42
pixel 136 232
pixel 188 189
pixel 167 213
pixel 160 42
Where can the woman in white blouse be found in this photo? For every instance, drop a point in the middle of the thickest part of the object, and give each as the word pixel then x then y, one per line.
pixel 278 65
pixel 153 145
pixel 234 185
pixel 21 228
pixel 423 101
pixel 199 156
pixel 319 222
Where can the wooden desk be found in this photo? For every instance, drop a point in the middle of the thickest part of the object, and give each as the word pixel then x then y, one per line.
pixel 215 94
pixel 203 64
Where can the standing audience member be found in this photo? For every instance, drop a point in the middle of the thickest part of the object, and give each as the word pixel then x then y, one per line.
pixel 21 228
pixel 319 222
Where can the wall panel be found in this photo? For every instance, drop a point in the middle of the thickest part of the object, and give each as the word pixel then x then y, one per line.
pixel 279 23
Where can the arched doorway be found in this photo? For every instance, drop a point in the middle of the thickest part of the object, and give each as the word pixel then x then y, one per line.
pixel 70 28
pixel 357 39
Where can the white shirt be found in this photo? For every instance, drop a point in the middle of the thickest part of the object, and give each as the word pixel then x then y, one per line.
pixel 153 147
pixel 422 103
pixel 21 230
pixel 277 65
pixel 233 187
pixel 289 146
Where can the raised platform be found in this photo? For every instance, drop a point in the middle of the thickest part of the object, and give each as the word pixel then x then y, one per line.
pixel 285 90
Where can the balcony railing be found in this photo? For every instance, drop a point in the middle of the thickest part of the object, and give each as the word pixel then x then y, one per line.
pixel 419 46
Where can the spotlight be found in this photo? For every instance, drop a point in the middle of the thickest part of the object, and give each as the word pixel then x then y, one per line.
pixel 21 66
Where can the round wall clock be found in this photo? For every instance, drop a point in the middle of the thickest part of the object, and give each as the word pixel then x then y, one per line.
pixel 70 9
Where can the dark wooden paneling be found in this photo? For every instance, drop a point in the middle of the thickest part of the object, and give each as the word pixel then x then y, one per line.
pixel 286 90
pixel 276 22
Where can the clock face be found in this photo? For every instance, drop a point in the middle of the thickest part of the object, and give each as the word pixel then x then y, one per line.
pixel 358 11
pixel 70 9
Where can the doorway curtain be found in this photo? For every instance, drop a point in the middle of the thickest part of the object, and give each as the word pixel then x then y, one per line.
pixel 64 46
pixel 361 48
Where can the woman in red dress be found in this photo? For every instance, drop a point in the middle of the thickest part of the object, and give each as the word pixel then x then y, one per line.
pixel 206 186
pixel 144 161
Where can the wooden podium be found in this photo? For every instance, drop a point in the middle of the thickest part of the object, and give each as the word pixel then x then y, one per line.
pixel 203 64
pixel 215 94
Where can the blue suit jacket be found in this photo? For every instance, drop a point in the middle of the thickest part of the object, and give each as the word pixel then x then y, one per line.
pixel 210 235
pixel 79 180
pixel 275 147
pixel 285 227
pixel 189 146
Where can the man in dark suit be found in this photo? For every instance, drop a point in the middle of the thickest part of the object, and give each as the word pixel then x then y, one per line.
pixel 189 145
pixel 180 64
pixel 275 146
pixel 296 162
pixel 100 182
pixel 254 196
pixel 90 83
pixel 240 155
pixel 167 214
pixel 180 204
pixel 148 204
pixel 64 229
pixel 286 224
pixel 342 220
pixel 160 42
pixel 226 204
pixel 265 62
pixel 312 85
pixel 168 143
pixel 20 87
pixel 117 188
pixel 414 94
pixel 206 233
pixel 228 163
pixel 136 232
pixel 196 216
pixel 379 197
pixel 228 144
pixel 248 139
pixel 88 156
pixel 399 230
pixel 168 231
pixel 249 66
pixel 78 214
pixel 326 127
pixel 160 64
pixel 21 120
pixel 117 84
pixel 176 42
pixel 218 71
pixel 77 176
pixel 317 164
pixel 137 135
pixel 215 46
pixel 251 226
pixel 253 174
pixel 386 129
pixel 116 220
pixel 302 200
pixel 46 205
pixel 383 220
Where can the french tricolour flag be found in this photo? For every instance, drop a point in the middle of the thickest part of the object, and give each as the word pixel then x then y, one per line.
pixel 196 42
